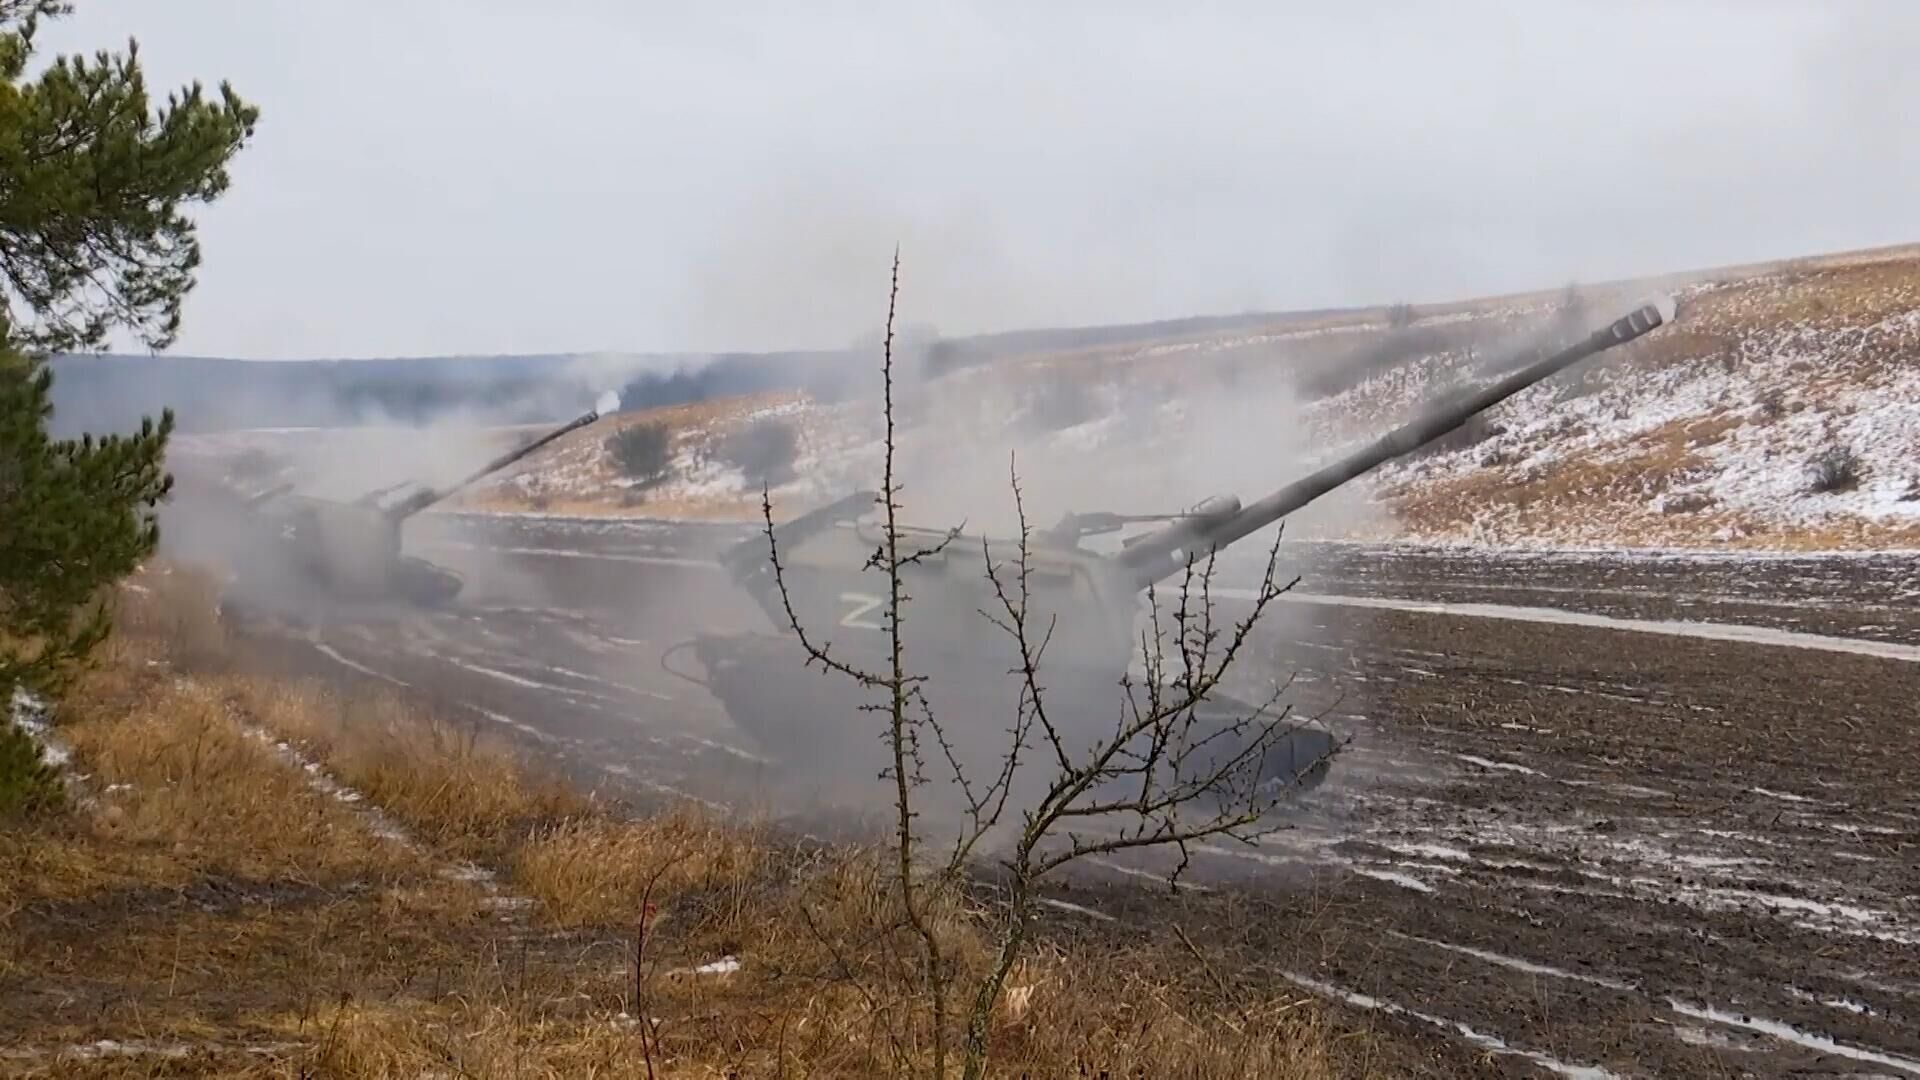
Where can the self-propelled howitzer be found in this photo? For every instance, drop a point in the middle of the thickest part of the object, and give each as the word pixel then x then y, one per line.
pixel 1089 601
pixel 350 551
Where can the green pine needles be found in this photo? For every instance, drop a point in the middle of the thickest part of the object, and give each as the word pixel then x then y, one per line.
pixel 94 183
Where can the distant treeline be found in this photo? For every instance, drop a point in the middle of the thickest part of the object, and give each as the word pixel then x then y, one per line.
pixel 103 393
pixel 110 392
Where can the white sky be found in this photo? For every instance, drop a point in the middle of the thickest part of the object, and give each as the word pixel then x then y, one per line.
pixel 485 177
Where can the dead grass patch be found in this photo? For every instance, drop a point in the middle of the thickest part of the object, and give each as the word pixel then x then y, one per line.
pixel 600 872
pixel 1116 1017
pixel 173 608
pixel 455 788
pixel 174 770
pixel 213 911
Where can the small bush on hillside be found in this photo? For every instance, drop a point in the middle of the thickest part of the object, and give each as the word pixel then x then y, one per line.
pixel 1577 384
pixel 1059 403
pixel 1836 468
pixel 1772 405
pixel 254 463
pixel 642 452
pixel 1687 502
pixel 763 451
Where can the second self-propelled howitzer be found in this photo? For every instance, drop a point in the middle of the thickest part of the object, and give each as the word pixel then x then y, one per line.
pixel 350 551
pixel 1089 602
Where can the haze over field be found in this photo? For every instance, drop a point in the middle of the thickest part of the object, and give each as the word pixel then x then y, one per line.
pixel 485 177
pixel 508 601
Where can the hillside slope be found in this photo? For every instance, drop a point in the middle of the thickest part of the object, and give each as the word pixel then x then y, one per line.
pixel 1783 411
pixel 1708 434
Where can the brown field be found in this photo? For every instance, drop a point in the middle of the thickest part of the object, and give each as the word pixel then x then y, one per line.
pixel 265 879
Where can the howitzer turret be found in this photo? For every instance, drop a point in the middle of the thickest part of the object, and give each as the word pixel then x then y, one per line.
pixel 351 550
pixel 1090 600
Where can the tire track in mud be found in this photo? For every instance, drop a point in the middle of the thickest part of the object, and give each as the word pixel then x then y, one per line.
pixel 501 667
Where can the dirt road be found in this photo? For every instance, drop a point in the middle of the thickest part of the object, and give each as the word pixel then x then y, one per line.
pixel 1588 849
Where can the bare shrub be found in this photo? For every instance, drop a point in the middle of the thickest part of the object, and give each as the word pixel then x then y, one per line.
pixel 1057 402
pixel 1837 468
pixel 1772 405
pixel 1687 502
pixel 643 453
pixel 1579 383
pixel 763 451
pixel 1162 777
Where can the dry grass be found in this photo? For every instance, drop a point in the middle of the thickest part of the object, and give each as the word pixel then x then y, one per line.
pixel 175 609
pixel 599 872
pixel 1119 1014
pixel 459 791
pixel 186 776
pixel 207 907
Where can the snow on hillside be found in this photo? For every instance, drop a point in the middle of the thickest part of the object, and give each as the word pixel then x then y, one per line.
pixel 1706 434
pixel 1712 439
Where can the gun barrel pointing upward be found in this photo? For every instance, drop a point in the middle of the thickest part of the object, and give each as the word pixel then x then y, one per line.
pixel 1159 556
pixel 421 501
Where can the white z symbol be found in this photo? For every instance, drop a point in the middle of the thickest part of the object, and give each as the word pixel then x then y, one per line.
pixel 862 604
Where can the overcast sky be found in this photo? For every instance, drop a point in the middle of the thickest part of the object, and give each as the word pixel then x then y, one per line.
pixel 433 176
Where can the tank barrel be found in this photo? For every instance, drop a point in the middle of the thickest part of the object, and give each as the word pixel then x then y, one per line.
pixel 268 495
pixel 419 501
pixel 1160 555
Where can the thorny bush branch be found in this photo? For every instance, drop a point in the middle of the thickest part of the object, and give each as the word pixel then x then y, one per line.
pixel 1164 775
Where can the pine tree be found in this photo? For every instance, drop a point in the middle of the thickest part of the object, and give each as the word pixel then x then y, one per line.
pixel 75 517
pixel 93 182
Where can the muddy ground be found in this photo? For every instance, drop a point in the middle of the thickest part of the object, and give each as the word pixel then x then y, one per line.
pixel 1587 849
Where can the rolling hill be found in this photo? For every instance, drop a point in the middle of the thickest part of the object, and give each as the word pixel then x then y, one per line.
pixel 1781 411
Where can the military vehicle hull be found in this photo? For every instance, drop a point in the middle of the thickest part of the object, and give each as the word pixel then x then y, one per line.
pixel 307 555
pixel 826 725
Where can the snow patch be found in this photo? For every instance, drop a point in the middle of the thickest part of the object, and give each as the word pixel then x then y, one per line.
pixel 1062 905
pixel 334 654
pixel 1502 765
pixel 29 713
pixel 1478 1038
pixel 1406 881
pixel 1790 1034
pixel 726 965
pixel 1516 964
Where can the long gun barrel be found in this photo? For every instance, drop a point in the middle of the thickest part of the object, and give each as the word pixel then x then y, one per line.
pixel 1162 554
pixel 419 501
pixel 268 495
